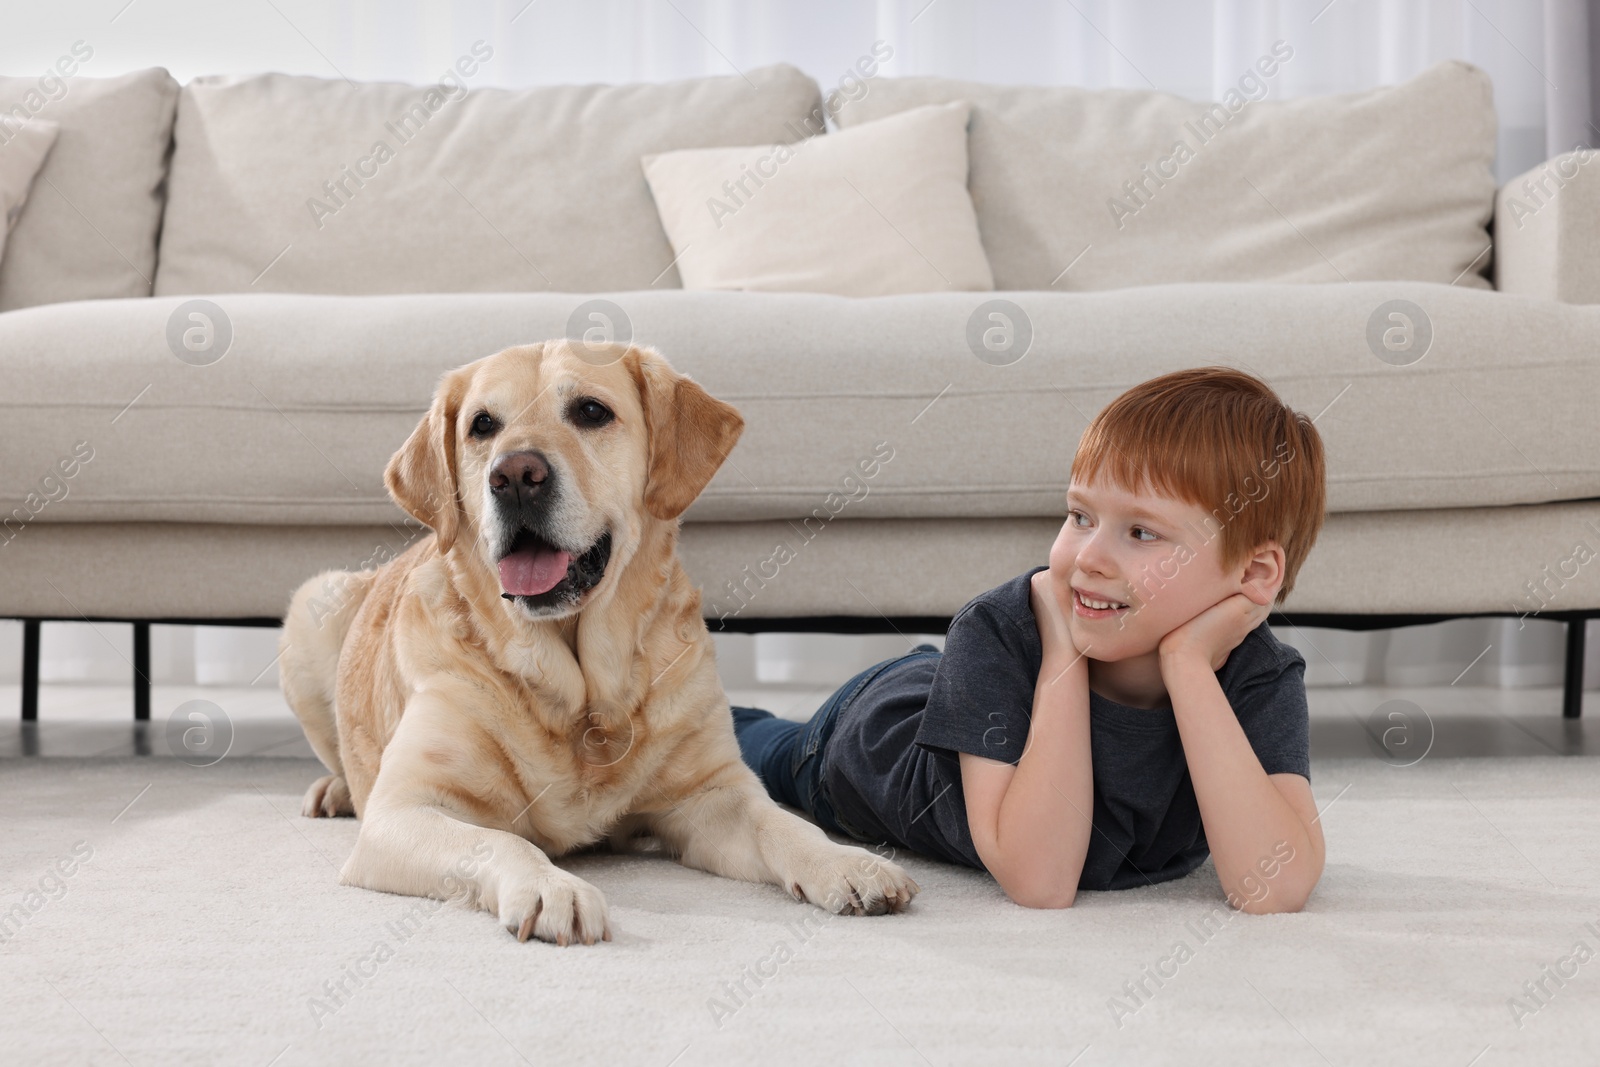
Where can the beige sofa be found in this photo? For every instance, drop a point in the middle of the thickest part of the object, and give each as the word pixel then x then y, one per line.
pixel 236 445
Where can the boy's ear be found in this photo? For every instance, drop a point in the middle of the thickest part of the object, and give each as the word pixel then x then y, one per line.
pixel 690 433
pixel 1264 573
pixel 421 476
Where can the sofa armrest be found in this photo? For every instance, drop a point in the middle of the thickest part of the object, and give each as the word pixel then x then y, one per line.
pixel 1547 231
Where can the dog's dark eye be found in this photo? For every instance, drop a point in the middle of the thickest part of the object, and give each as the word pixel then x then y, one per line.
pixel 484 425
pixel 591 412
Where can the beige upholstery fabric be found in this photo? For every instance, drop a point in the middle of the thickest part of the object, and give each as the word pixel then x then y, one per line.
pixel 89 228
pixel 1392 183
pixel 22 151
pixel 295 423
pixel 1450 560
pixel 879 209
pixel 298 184
pixel 1547 230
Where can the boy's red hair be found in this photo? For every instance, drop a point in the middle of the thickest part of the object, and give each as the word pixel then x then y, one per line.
pixel 1221 439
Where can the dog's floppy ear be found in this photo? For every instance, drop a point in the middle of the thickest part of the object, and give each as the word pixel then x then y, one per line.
pixel 421 476
pixel 691 432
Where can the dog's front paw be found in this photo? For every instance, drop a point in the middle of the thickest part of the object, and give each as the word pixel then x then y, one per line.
pixel 328 797
pixel 854 881
pixel 555 906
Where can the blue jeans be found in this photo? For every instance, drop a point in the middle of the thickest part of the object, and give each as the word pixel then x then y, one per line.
pixel 787 755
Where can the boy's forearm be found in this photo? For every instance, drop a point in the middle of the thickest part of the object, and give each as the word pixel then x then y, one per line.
pixel 1248 822
pixel 1046 815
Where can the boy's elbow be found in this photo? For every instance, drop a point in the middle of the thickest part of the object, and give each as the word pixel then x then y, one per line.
pixel 1033 884
pixel 1053 896
pixel 1275 903
pixel 1272 907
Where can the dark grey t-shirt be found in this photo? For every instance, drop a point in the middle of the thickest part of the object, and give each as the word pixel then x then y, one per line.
pixel 893 773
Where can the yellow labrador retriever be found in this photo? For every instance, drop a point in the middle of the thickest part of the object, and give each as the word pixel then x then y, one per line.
pixel 535 676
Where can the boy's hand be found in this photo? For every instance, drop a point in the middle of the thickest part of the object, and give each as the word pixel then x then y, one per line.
pixel 1052 620
pixel 1215 632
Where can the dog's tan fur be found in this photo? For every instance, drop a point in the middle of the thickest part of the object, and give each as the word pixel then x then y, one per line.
pixel 475 740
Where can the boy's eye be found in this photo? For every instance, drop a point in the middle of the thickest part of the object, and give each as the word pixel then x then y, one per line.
pixel 1073 514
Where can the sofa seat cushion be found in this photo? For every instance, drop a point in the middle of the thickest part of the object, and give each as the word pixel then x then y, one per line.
pixel 285 183
pixel 1134 187
pixel 313 394
pixel 1452 561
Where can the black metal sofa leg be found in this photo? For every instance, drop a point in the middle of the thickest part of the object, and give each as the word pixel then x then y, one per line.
pixel 141 672
pixel 1572 684
pixel 30 670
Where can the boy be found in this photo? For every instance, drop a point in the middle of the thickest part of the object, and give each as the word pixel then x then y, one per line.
pixel 1110 719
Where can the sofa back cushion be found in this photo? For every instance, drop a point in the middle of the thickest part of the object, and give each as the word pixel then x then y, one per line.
pixel 1101 189
pixel 88 230
pixel 297 184
pixel 22 152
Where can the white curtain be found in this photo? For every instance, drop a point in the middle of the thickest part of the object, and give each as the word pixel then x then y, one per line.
pixel 1538 53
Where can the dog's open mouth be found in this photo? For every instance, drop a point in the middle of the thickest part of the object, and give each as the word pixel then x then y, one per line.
pixel 545 573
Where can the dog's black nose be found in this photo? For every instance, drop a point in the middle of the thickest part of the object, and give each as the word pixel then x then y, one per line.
pixel 518 474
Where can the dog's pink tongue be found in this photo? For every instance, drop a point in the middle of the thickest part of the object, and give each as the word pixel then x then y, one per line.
pixel 531 571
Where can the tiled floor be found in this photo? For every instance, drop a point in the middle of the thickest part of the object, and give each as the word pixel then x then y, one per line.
pixel 1397 725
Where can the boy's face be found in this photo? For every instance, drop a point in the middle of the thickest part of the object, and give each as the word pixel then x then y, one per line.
pixel 1147 551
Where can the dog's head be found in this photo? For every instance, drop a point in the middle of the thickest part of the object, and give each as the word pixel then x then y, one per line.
pixel 548 460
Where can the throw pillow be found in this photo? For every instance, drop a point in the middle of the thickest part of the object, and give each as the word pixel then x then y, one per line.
pixel 875 210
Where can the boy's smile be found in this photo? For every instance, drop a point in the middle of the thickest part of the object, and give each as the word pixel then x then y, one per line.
pixel 1156 561
pixel 1094 607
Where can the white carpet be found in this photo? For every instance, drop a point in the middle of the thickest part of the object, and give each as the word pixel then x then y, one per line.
pixel 208 919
